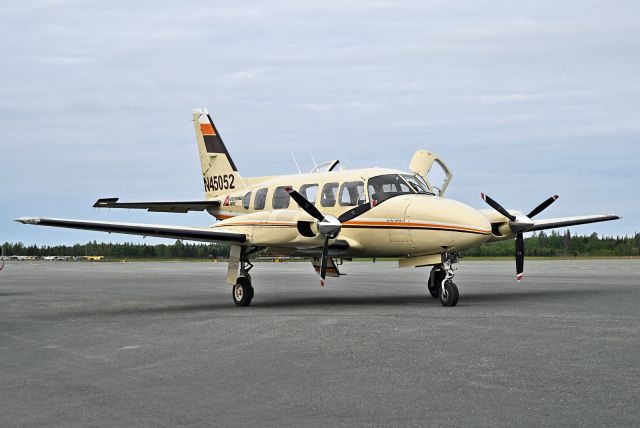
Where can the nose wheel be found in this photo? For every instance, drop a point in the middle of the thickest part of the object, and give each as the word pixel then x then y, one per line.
pixel 441 283
pixel 435 281
pixel 449 293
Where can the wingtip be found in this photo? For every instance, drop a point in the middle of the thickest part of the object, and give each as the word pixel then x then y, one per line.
pixel 483 196
pixel 556 197
pixel 28 220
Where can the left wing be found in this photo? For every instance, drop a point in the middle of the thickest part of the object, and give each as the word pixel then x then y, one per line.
pixel 552 223
pixel 167 207
pixel 175 232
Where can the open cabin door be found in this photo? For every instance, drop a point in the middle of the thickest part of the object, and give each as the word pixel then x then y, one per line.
pixel 437 178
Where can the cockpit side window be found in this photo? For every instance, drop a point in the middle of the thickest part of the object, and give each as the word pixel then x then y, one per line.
pixel 387 186
pixel 352 194
pixel 260 199
pixel 329 195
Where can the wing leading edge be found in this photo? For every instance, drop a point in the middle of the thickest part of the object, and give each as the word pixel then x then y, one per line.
pixel 167 207
pixel 161 231
pixel 552 223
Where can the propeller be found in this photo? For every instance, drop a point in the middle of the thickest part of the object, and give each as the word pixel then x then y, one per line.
pixel 519 224
pixel 328 225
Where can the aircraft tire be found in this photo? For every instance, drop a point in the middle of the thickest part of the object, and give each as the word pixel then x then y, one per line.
pixel 450 295
pixel 242 292
pixel 438 275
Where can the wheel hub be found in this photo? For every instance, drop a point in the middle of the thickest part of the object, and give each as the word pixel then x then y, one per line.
pixel 238 292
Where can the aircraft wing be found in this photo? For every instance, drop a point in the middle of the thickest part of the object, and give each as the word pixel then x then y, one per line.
pixel 175 232
pixel 169 207
pixel 570 221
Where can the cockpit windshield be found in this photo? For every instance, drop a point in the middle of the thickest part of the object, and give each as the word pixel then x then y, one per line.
pixel 387 186
pixel 417 184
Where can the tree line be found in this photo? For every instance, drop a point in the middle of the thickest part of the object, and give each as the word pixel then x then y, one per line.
pixel 555 244
pixel 539 244
pixel 177 250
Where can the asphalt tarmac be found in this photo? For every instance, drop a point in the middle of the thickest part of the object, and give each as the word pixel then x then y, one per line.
pixel 162 344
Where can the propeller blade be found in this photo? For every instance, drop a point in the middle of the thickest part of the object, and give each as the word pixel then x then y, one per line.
pixel 325 259
pixel 543 206
pixel 354 212
pixel 305 204
pixel 519 257
pixel 496 206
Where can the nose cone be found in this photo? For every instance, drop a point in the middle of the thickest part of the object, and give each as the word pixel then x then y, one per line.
pixel 460 226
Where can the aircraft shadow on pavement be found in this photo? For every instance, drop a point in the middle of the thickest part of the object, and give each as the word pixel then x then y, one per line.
pixel 276 302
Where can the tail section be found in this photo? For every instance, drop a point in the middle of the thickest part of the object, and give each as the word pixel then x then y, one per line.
pixel 219 173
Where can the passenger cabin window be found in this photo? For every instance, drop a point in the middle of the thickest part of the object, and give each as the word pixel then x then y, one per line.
pixel 246 201
pixel 352 194
pixel 280 198
pixel 260 199
pixel 309 191
pixel 329 195
pixel 387 186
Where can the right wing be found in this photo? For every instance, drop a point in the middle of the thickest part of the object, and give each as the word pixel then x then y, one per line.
pixel 552 223
pixel 167 207
pixel 175 232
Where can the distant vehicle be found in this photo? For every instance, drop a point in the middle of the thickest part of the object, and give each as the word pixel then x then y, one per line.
pixel 93 258
pixel 56 258
pixel 337 214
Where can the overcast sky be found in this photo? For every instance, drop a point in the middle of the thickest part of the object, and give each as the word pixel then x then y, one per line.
pixel 521 99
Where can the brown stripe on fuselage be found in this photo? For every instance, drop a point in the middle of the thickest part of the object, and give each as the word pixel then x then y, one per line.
pixel 374 225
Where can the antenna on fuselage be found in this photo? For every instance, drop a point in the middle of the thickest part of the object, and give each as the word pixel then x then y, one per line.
pixel 296 162
pixel 315 164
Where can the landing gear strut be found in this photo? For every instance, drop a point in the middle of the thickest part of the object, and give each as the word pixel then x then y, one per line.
pixel 448 290
pixel 243 290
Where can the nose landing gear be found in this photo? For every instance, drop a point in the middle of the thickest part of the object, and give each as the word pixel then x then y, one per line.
pixel 440 283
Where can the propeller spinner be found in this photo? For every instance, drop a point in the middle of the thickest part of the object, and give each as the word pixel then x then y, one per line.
pixel 519 224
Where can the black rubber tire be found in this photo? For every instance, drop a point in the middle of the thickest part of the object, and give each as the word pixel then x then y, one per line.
pixel 242 292
pixel 450 295
pixel 438 274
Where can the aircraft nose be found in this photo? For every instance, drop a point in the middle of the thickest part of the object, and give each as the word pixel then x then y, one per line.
pixel 460 226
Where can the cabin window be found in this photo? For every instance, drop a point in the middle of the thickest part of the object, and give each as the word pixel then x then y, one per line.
pixel 260 199
pixel 387 186
pixel 309 191
pixel 246 201
pixel 280 198
pixel 329 195
pixel 352 194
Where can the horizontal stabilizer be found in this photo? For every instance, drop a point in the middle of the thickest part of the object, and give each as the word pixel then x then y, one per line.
pixel 175 232
pixel 167 207
pixel 553 223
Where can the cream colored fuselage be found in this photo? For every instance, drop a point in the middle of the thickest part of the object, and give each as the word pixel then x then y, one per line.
pixel 407 225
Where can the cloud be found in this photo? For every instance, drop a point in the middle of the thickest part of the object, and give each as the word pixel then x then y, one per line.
pixel 97 96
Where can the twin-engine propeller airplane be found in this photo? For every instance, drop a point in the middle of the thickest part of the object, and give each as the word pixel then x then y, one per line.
pixel 337 214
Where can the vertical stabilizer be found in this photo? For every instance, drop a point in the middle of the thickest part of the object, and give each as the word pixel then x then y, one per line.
pixel 219 172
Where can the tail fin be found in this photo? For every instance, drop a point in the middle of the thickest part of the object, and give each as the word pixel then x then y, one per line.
pixel 219 173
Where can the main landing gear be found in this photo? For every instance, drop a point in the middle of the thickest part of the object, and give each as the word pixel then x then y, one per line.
pixel 440 283
pixel 243 290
